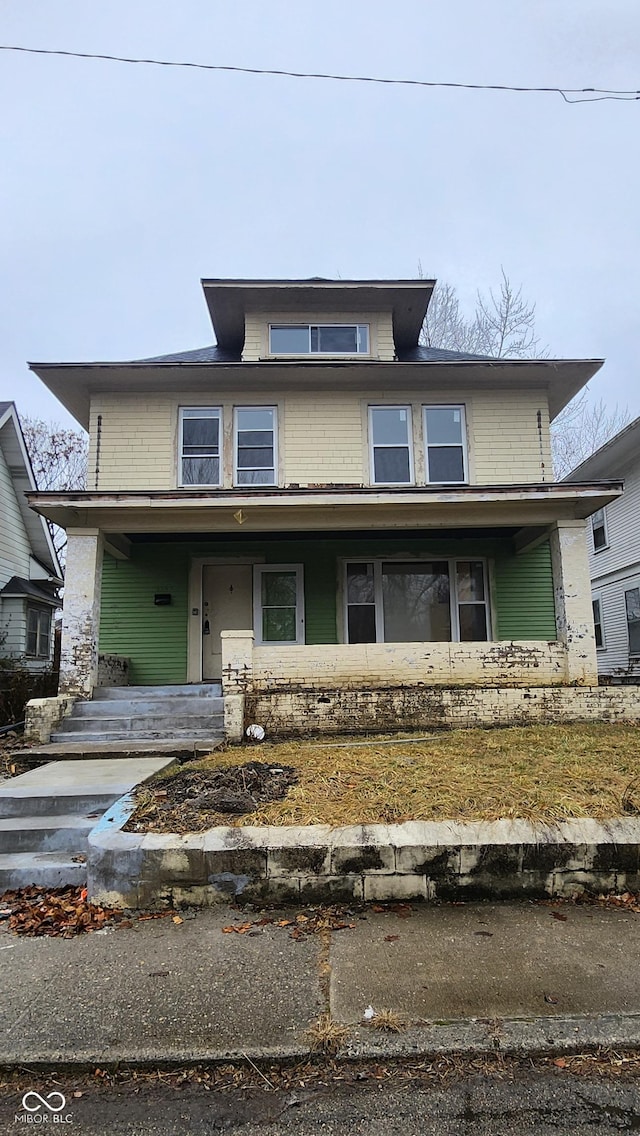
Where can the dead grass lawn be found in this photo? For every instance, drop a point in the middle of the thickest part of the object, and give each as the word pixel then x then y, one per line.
pixel 538 773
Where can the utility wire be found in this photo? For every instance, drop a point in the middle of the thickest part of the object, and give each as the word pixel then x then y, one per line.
pixel 594 94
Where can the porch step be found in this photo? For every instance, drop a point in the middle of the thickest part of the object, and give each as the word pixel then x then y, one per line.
pixel 137 706
pixel 57 803
pixel 156 723
pixel 46 833
pixel 44 869
pixel 192 690
pixel 170 734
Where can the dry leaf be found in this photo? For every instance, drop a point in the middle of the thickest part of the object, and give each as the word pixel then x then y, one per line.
pixel 391 938
pixel 560 1062
pixel 177 920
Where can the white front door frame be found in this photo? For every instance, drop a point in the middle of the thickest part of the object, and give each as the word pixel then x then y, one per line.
pixel 194 626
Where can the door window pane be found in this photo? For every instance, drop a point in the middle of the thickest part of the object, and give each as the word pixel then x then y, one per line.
pixel 416 603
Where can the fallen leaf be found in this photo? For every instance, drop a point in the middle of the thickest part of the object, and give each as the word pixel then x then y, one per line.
pixel 391 938
pixel 551 999
pixel 284 922
pixel 84 893
pixel 378 908
pixel 560 1062
pixel 559 916
pixel 158 973
pixel 77 1094
pixel 485 934
pixel 177 920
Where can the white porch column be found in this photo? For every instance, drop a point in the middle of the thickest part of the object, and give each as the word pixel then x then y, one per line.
pixel 572 592
pixel 81 612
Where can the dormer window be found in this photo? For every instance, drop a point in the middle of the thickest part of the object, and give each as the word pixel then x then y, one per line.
pixel 319 339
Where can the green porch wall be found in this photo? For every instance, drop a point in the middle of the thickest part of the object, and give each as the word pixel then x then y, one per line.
pixel 155 638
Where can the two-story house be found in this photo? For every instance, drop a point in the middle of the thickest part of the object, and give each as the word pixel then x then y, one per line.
pixel 30 573
pixel 322 514
pixel 614 555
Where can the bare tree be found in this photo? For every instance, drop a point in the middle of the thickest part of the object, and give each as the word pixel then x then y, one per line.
pixel 502 324
pixel 59 460
pixel 581 428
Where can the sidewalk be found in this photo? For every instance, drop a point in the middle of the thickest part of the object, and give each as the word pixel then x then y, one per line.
pixel 476 977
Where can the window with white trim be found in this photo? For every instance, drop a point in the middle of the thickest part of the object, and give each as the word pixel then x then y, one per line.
pixel 200 436
pixel 278 603
pixel 255 448
pixel 598 624
pixel 319 339
pixel 38 632
pixel 391 456
pixel 632 604
pixel 430 601
pixel 599 530
pixel 445 445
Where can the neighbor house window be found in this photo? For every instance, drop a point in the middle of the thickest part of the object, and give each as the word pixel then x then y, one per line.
pixel 599 530
pixel 446 445
pixel 597 621
pixel 255 445
pixel 390 445
pixel 632 601
pixel 278 602
pixel 319 339
pixel 38 632
pixel 200 445
pixel 433 601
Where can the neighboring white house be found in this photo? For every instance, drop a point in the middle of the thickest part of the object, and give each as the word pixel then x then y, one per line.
pixel 30 573
pixel 614 555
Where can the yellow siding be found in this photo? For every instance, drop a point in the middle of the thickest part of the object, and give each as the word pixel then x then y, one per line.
pixel 322 436
pixel 256 341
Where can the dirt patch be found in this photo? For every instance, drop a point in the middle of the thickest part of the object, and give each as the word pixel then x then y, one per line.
pixel 201 798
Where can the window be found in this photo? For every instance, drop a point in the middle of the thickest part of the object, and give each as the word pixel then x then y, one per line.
pixel 632 601
pixel 38 632
pixel 390 445
pixel 319 339
pixel 597 622
pixel 599 530
pixel 255 445
pixel 278 602
pixel 445 441
pixel 200 445
pixel 435 601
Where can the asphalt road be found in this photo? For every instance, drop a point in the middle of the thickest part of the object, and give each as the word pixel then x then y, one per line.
pixel 535 1104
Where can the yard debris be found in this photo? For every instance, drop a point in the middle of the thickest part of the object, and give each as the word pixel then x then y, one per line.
pixel 61 912
pixel 327 1036
pixel 300 926
pixel 387 1020
pixel 369 1014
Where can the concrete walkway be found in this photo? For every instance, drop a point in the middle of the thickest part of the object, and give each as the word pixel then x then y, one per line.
pixel 517 977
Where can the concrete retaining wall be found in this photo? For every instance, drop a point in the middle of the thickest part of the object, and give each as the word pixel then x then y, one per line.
pixel 416 860
pixel 343 710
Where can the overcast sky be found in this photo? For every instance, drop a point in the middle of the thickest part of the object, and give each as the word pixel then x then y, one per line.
pixel 122 185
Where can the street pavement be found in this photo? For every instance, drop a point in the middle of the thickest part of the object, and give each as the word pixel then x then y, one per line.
pixel 521 977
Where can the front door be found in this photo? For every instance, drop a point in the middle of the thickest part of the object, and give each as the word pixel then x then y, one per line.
pixel 226 606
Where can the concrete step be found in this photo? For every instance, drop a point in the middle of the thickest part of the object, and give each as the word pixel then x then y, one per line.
pixel 130 707
pixel 80 787
pixel 208 733
pixel 46 833
pixel 45 869
pixel 159 723
pixel 191 690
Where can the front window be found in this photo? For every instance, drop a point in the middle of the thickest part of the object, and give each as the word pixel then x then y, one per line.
pixel 436 601
pixel 598 625
pixel 445 441
pixel 599 530
pixel 200 445
pixel 38 632
pixel 255 445
pixel 278 603
pixel 390 445
pixel 632 602
pixel 319 339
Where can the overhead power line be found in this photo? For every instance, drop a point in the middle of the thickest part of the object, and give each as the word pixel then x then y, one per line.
pixel 585 94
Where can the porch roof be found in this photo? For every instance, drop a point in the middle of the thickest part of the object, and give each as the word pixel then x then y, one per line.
pixel 334 508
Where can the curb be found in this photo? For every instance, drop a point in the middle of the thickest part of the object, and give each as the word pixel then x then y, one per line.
pixel 509 1037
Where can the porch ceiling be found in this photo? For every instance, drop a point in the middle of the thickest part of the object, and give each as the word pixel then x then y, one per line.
pixel 321 509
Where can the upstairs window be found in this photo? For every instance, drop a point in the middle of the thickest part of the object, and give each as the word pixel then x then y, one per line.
pixel 319 339
pixel 255 445
pixel 390 445
pixel 599 530
pixel 200 445
pixel 446 445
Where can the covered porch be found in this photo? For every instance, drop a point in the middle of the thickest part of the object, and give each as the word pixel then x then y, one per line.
pixel 342 588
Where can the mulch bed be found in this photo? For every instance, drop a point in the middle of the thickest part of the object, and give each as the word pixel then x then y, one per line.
pixel 198 799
